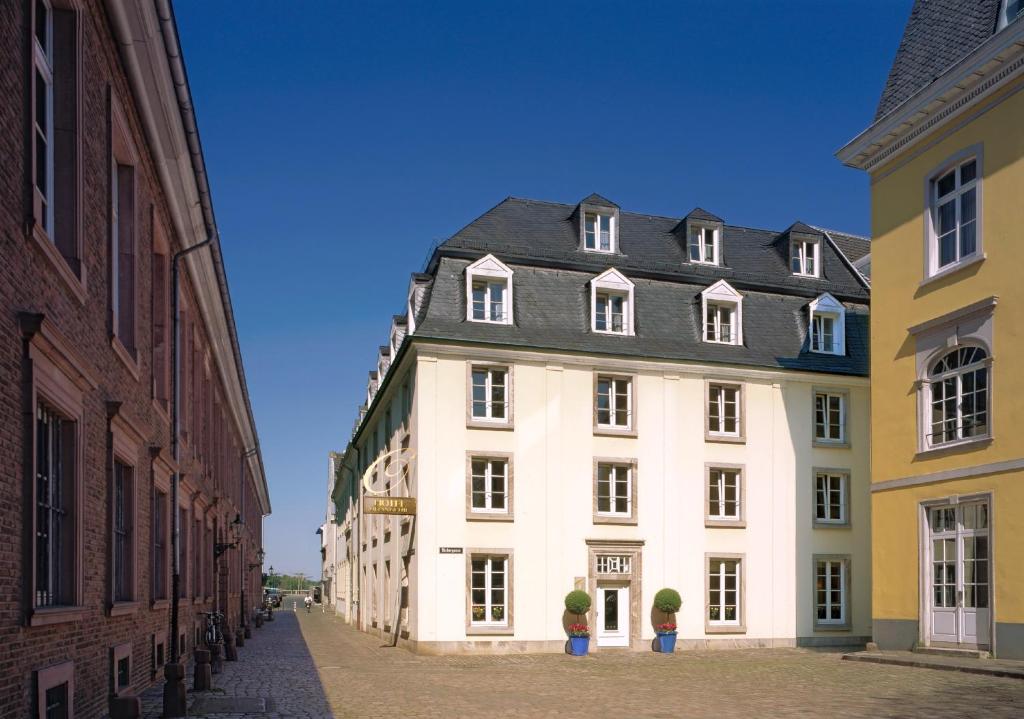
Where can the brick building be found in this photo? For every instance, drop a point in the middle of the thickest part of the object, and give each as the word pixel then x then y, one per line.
pixel 102 181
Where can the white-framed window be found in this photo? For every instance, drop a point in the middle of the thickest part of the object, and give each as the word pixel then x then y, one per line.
pixel 722 308
pixel 488 591
pixel 599 231
pixel 704 242
pixel 830 417
pixel 489 398
pixel 805 256
pixel 614 402
pixel 958 397
pixel 611 303
pixel 724 591
pixel 614 563
pixel 614 489
pixel 830 591
pixel 827 320
pixel 831 491
pixel 954 194
pixel 42 115
pixel 724 418
pixel 490 485
pixel 724 494
pixel 1009 11
pixel 489 291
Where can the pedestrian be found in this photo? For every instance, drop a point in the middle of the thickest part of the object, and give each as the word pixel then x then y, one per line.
pixel 309 603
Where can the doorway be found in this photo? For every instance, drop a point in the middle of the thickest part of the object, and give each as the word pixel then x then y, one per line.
pixel 612 615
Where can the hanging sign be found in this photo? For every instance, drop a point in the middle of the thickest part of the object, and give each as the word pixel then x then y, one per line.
pixel 389 505
pixel 396 464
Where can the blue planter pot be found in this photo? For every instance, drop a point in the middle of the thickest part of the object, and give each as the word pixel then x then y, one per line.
pixel 579 646
pixel 667 642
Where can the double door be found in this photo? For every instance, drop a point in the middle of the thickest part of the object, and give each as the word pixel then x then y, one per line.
pixel 958 575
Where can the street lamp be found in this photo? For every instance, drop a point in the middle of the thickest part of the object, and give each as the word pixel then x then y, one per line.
pixel 260 554
pixel 236 531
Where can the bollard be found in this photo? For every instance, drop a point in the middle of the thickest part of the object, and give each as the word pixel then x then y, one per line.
pixel 230 653
pixel 239 637
pixel 259 619
pixel 270 614
pixel 202 678
pixel 125 707
pixel 174 690
pixel 248 631
pixel 216 663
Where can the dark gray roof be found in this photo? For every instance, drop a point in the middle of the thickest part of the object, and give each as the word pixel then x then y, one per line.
pixel 853 246
pixel 938 34
pixel 551 311
pixel 536 232
pixel 595 199
pixel 699 213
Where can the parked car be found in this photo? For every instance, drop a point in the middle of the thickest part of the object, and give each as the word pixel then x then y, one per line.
pixel 274 597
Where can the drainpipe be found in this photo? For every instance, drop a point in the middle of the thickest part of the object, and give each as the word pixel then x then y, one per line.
pixel 243 567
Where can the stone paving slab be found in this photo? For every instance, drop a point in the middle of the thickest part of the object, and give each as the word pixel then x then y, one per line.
pixel 968 665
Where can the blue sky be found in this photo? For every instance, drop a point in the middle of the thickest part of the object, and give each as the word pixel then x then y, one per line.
pixel 343 139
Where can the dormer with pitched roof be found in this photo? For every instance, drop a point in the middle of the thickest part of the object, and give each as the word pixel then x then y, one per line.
pixel 489 291
pixel 805 247
pixel 383 360
pixel 598 221
pixel 611 303
pixel 722 311
pixel 703 232
pixel 399 325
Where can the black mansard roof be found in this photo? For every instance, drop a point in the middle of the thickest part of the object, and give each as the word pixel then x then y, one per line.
pixel 551 306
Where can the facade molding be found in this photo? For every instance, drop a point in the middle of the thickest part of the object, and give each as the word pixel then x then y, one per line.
pixel 1010 465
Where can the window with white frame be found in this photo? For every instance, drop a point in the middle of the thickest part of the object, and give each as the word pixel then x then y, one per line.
pixel 490 485
pixel 489 291
pixel 724 498
pixel 489 591
pixel 958 388
pixel 489 398
pixel 613 563
pixel 830 493
pixel 724 407
pixel 724 578
pixel 614 489
pixel 1009 11
pixel 704 244
pixel 827 325
pixel 614 402
pixel 611 303
pixel 42 117
pixel 830 417
pixel 954 215
pixel 599 231
pixel 830 591
pixel 722 308
pixel 805 256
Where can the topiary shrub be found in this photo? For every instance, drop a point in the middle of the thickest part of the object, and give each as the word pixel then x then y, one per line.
pixel 667 600
pixel 577 601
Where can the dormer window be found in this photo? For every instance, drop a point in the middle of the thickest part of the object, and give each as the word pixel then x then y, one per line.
pixel 704 241
pixel 1009 10
pixel 598 232
pixel 827 325
pixel 722 308
pixel 611 304
pixel 489 291
pixel 805 256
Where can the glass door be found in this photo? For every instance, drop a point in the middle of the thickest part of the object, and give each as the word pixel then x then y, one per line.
pixel 613 616
pixel 959 591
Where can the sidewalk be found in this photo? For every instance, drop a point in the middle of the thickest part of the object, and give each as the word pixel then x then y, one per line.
pixel 968 665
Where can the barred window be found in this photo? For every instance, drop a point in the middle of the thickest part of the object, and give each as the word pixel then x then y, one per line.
pixel 123 489
pixel 54 541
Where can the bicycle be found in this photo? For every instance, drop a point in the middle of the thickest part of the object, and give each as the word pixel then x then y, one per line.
pixel 213 633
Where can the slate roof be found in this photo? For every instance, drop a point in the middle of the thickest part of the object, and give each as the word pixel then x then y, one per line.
pixel 551 301
pixel 938 34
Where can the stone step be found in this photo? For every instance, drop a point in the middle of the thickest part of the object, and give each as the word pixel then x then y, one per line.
pixel 953 652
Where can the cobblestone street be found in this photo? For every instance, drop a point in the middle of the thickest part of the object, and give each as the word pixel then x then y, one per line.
pixel 313 665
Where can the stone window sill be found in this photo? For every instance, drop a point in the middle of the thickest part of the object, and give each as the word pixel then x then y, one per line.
pixel 120 609
pixel 485 424
pixel 942 274
pixel 726 438
pixel 125 356
pixel 725 629
pixel 59 264
pixel 725 523
pixel 45 616
pixel 492 631
pixel 602 431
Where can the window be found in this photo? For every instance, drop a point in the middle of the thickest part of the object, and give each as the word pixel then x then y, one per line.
pixel 489 591
pixel 54 133
pixel 724 592
pixel 124 555
pixel 122 669
pixel 723 312
pixel 55 549
pixel 614 563
pixel 185 542
pixel 490 485
pixel 830 592
pixel 611 304
pixel 122 233
pixel 954 227
pixel 703 244
pixel 830 418
pixel 161 322
pixel 599 232
pixel 489 291
pixel 614 403
pixel 1009 11
pixel 159 545
pixel 827 325
pixel 55 692
pixel 804 257
pixel 614 491
pixel 958 385
pixel 831 493
pixel 724 416
pixel 197 560
pixel 724 496
pixel 489 396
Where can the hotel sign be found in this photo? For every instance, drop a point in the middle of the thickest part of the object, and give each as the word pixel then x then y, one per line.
pixel 395 468
pixel 389 505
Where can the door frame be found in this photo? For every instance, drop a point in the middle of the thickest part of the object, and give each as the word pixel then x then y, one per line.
pixel 634 580
pixel 924 562
pixel 605 584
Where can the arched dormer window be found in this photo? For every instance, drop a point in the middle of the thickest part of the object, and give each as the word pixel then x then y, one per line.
pixel 722 309
pixel 611 303
pixel 957 396
pixel 489 291
pixel 827 325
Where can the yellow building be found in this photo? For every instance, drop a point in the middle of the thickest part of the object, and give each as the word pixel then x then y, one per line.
pixel 946 159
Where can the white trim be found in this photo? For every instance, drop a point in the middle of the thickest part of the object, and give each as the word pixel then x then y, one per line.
pixel 953 163
pixel 614 284
pixel 800 243
pixel 827 307
pixel 613 229
pixel 722 294
pixel 491 271
pixel 716 242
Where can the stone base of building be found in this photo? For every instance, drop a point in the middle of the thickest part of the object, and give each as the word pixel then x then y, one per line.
pixel 898 634
pixel 1009 641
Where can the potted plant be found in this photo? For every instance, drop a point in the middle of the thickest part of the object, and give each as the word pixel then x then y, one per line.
pixel 578 602
pixel 667 601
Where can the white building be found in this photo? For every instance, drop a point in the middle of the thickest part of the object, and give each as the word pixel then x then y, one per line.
pixel 589 398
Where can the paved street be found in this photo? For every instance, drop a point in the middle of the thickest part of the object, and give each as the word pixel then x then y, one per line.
pixel 313 665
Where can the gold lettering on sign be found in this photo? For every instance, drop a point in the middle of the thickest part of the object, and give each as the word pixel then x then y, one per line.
pixel 396 466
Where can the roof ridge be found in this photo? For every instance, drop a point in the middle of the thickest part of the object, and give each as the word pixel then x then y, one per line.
pixel 842 232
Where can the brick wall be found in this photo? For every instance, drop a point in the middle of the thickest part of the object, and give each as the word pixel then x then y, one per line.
pixel 30 283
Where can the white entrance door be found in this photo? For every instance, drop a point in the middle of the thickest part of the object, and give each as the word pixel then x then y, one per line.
pixel 613 616
pixel 958 575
